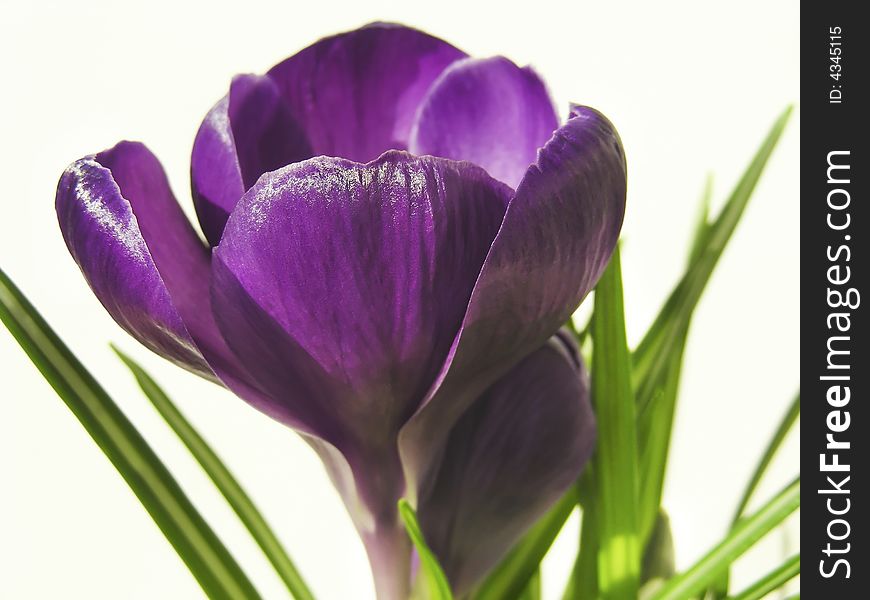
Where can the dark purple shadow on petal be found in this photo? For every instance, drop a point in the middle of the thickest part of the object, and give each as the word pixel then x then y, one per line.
pixel 489 112
pixel 104 238
pixel 364 272
pixel 339 287
pixel 507 460
pixel 282 369
pixel 266 135
pixel 356 93
pixel 215 176
pixel 246 134
pixel 558 234
pixel 181 259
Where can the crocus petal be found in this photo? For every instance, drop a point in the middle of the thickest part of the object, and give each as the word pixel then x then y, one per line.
pixel 105 238
pixel 340 286
pixel 558 234
pixel 356 93
pixel 184 264
pixel 248 132
pixel 489 112
pixel 509 458
pixel 145 262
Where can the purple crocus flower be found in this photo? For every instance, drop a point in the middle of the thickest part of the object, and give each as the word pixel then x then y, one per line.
pixel 396 233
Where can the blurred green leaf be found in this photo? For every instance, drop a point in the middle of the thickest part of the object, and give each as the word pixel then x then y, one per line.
pixel 773 580
pixel 223 479
pixel 657 361
pixel 720 588
pixel 533 589
pixel 654 428
pixel 207 558
pixel 702 226
pixel 739 539
pixel 435 582
pixel 658 558
pixel 615 458
pixel 513 574
pixel 652 353
pixel 583 581
pixel 788 420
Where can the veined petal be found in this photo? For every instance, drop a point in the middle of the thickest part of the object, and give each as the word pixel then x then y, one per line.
pixel 356 93
pixel 247 133
pixel 558 234
pixel 489 112
pixel 106 240
pixel 340 286
pixel 510 457
pixel 146 264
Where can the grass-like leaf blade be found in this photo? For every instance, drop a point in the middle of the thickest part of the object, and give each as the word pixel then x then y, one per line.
pixel 657 361
pixel 702 225
pixel 652 353
pixel 436 585
pixel 720 588
pixel 772 581
pixel 196 543
pixel 654 427
pixel 739 539
pixel 515 571
pixel 658 560
pixel 223 479
pixel 788 420
pixel 533 589
pixel 615 459
pixel 583 582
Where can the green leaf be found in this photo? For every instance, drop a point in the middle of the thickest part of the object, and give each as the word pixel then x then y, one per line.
pixel 738 540
pixel 773 580
pixel 615 459
pixel 223 479
pixel 720 588
pixel 785 425
pixel 703 222
pixel 657 362
pixel 658 558
pixel 652 354
pixel 513 573
pixel 583 581
pixel 654 427
pixel 435 582
pixel 533 589
pixel 197 545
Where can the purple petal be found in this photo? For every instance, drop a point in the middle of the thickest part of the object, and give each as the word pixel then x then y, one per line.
pixel 106 239
pixel 509 458
pixel 558 234
pixel 145 262
pixel 341 286
pixel 249 132
pixel 489 112
pixel 356 93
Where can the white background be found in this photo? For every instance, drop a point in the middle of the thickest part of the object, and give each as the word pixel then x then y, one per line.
pixel 691 86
